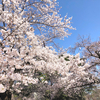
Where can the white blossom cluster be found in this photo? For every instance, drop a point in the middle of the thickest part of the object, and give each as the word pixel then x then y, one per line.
pixel 21 52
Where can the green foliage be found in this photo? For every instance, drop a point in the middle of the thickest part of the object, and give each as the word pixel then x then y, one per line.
pixel 79 64
pixel 67 58
pixel 60 96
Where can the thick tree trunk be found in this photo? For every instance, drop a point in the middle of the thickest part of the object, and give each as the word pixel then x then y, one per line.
pixel 5 96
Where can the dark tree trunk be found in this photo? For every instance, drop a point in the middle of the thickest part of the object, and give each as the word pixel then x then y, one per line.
pixel 5 96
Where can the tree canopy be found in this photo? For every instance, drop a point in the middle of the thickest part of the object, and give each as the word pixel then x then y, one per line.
pixel 27 63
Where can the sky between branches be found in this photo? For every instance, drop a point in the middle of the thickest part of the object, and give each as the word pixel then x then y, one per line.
pixel 86 19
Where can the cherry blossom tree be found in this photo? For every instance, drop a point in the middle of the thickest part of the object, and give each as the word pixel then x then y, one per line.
pixel 90 52
pixel 26 59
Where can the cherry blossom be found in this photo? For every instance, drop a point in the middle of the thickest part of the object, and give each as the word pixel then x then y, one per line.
pixel 23 54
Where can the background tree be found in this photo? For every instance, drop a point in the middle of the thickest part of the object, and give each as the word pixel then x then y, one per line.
pixel 90 51
pixel 94 94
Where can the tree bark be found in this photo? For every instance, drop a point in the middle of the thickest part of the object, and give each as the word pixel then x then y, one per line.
pixel 6 95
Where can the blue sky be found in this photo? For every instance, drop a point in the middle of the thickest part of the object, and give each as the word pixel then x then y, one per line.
pixel 86 19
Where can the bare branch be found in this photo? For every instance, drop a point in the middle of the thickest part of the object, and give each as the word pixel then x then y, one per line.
pixel 3 28
pixel 3 10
